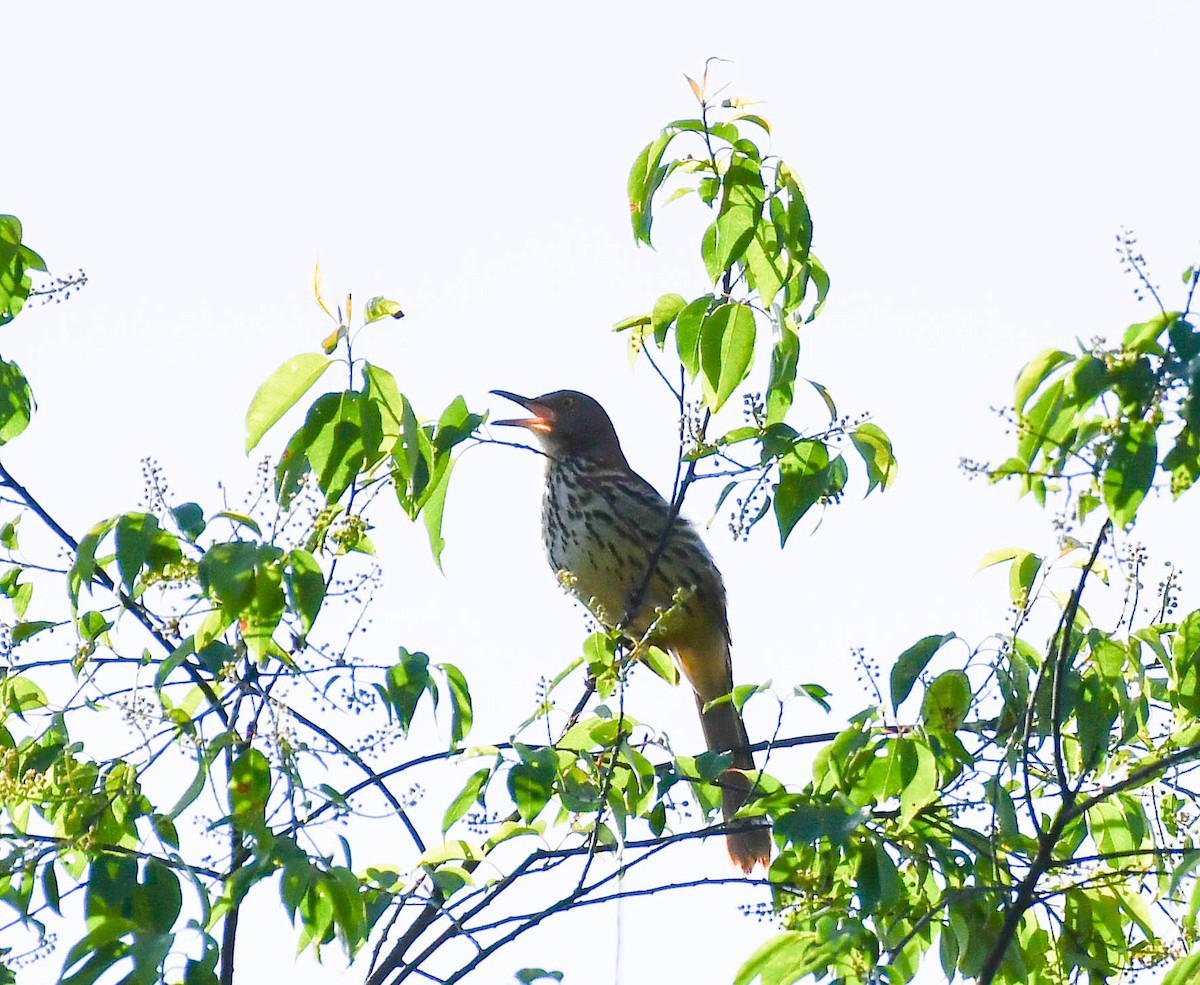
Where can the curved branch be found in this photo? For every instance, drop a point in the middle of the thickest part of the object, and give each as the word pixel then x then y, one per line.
pixel 140 612
pixel 373 779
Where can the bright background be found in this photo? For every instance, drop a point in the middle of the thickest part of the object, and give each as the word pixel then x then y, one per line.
pixel 967 170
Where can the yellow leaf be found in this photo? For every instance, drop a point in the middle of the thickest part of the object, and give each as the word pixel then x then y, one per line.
pixel 637 341
pixel 330 342
pixel 317 289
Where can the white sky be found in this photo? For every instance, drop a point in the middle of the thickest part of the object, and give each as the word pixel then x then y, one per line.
pixel 967 171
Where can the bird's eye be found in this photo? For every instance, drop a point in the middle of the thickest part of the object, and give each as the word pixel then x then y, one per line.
pixel 568 401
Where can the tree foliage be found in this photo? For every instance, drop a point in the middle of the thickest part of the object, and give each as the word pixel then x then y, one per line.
pixel 1036 823
pixel 1021 805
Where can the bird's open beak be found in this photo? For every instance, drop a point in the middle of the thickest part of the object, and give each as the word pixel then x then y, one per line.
pixel 543 419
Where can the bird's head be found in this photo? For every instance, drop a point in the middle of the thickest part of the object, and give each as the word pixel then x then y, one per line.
pixel 568 423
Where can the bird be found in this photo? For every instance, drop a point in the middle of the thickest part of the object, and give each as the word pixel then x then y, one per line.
pixel 602 530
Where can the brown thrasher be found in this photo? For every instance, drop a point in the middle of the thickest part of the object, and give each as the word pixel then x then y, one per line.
pixel 602 524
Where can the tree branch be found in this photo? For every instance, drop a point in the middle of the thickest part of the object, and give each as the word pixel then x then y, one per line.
pixel 140 612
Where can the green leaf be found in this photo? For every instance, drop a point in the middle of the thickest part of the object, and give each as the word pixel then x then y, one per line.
pixel 645 177
pixel 1037 424
pixel 292 468
pixel 1114 827
pixel 527 976
pixel 946 702
pixel 1085 380
pixel 173 660
pixel 135 534
pixel 1021 576
pixel 1129 472
pixel 820 277
pixel 16 260
pixel 16 398
pixel 999 556
pixel 711 765
pixel 414 463
pixel 734 233
pixel 433 512
pixel 227 573
pixel 189 518
pixel 240 520
pixel 633 321
pixel 50 887
pixel 877 883
pixel 816 693
pixel 24 630
pixel 381 389
pixel 279 393
pixel 920 781
pixel 462 713
pixel 83 571
pixel 1143 337
pixel 405 683
pixel 785 357
pixel 708 252
pixel 19 695
pixel 379 308
pixel 688 324
pixel 1034 375
pixel 455 426
pixel 766 267
pixel 531 781
pixel 247 580
pixel 249 787
pixel 875 447
pixel 726 351
pixel 826 398
pixel 1096 710
pixel 660 662
pixel 784 959
pixel 1185 971
pixel 468 795
pixel 8 533
pixel 345 444
pixel 663 314
pixel 21 593
pixel 910 664
pixel 305 583
pixel 158 905
pixel 92 625
pixel 807 476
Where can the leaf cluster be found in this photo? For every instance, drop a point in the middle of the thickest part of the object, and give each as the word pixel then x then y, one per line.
pixel 766 284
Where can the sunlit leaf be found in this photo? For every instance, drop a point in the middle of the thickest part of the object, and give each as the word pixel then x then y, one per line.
pixel 911 663
pixel 1129 472
pixel 531 781
pixel 1035 373
pixel 726 351
pixel 663 315
pixel 468 796
pixel 379 308
pixel 16 401
pixel 279 393
pixel 249 785
pixel 305 583
pixel 688 325
pixel 462 713
pixel 875 448
pixel 946 702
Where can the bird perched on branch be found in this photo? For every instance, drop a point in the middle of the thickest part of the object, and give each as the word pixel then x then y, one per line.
pixel 605 527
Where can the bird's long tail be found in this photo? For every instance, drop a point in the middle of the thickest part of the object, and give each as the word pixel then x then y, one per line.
pixel 724 731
